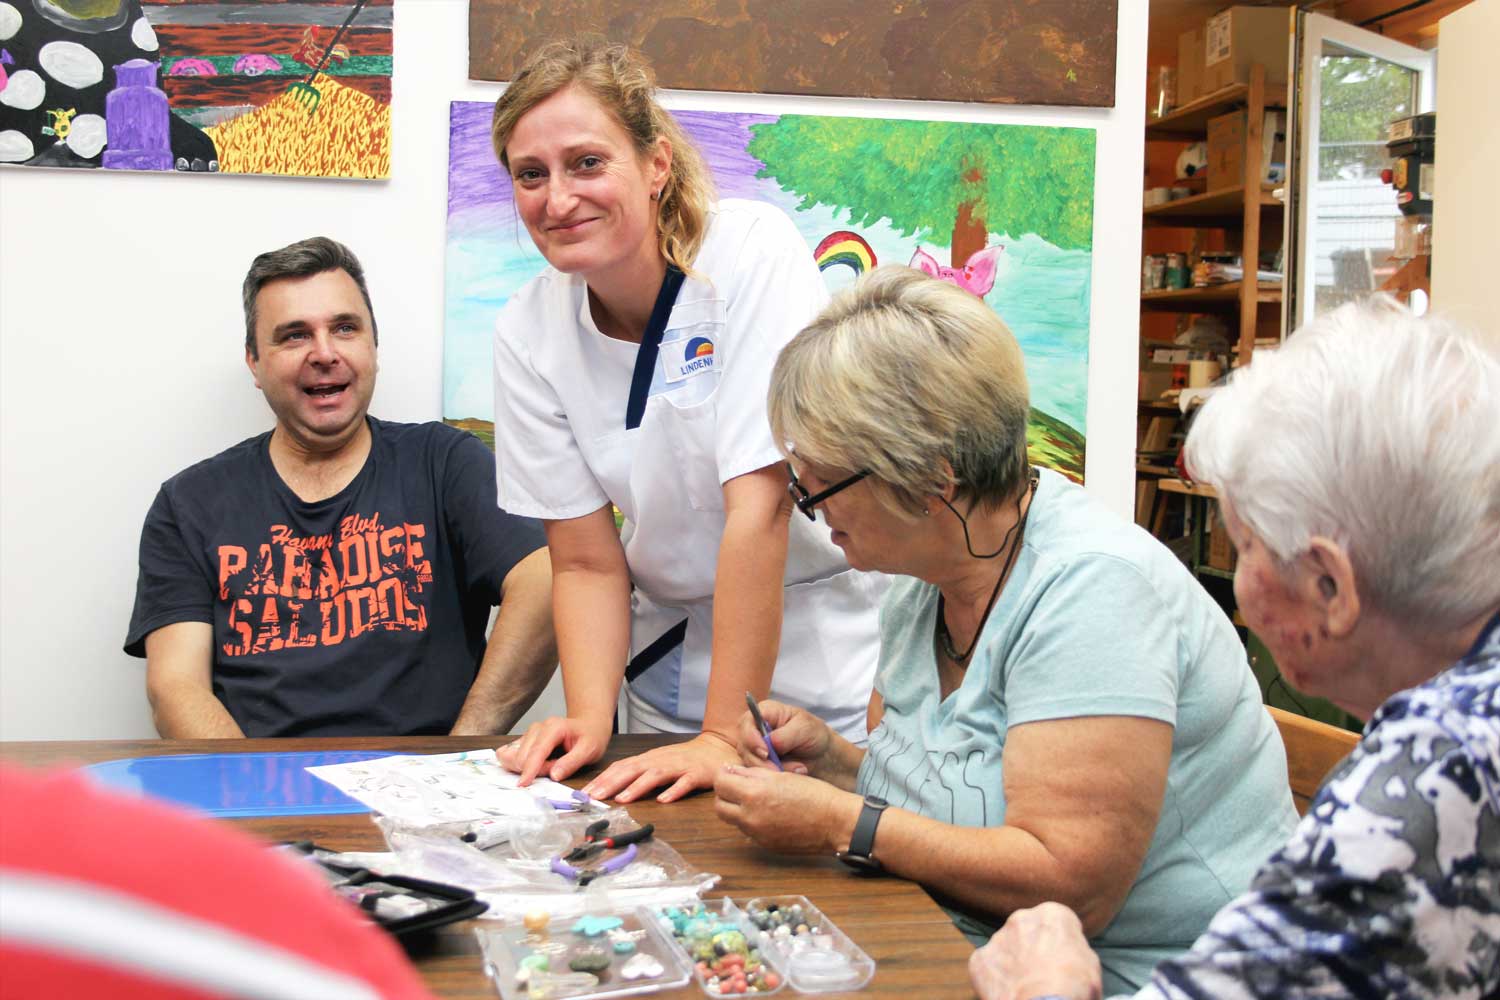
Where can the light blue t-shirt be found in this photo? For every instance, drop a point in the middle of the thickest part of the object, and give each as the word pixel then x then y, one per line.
pixel 1097 618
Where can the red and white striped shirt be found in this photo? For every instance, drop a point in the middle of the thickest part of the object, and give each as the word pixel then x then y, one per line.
pixel 104 895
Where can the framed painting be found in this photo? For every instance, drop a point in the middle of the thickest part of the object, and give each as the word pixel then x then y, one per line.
pixel 1004 211
pixel 999 51
pixel 198 86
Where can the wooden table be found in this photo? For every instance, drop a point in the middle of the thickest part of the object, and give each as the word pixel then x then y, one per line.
pixel 917 950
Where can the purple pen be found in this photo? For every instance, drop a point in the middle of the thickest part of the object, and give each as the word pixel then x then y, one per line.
pixel 765 730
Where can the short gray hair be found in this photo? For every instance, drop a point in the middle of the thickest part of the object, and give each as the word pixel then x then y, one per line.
pixel 1377 429
pixel 301 260
pixel 899 374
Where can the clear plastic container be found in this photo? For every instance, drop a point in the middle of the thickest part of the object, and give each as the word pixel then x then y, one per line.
pixel 709 932
pixel 509 950
pixel 816 956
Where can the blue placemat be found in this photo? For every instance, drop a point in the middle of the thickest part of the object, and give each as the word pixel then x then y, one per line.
pixel 237 784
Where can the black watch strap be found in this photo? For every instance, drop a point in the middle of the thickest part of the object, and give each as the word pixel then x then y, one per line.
pixel 860 856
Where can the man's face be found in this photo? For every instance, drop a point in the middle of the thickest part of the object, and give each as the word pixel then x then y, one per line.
pixel 317 359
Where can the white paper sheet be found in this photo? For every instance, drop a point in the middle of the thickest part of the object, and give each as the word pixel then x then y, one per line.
pixel 422 791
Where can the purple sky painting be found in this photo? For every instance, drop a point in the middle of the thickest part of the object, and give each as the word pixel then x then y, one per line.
pixel 1040 289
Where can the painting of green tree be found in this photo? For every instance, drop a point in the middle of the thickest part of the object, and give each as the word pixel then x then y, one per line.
pixel 952 185
pixel 862 192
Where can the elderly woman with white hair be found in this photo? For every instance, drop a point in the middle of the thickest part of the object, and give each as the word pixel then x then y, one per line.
pixel 1359 471
pixel 1062 711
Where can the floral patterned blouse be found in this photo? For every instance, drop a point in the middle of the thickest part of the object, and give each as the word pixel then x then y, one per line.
pixel 1390 886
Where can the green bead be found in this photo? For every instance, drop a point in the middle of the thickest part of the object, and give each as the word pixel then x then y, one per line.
pixel 591 960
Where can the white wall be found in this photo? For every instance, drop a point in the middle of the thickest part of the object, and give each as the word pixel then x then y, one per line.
pixel 1466 204
pixel 121 360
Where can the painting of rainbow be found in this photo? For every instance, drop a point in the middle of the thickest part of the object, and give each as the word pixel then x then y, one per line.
pixel 1003 211
pixel 198 86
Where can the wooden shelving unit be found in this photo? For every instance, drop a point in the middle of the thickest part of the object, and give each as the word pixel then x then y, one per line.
pixel 1212 208
pixel 1238 208
pixel 1240 211
pixel 1211 297
pixel 1191 120
pixel 1187 489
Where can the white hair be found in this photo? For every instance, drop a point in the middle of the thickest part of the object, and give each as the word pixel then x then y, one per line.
pixel 1381 431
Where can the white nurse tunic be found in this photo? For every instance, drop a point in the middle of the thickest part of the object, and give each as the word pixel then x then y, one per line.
pixel 562 451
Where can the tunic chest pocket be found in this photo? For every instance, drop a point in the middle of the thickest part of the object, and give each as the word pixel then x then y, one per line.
pixel 690 359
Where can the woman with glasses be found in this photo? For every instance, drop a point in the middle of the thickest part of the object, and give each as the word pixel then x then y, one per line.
pixel 632 374
pixel 1063 711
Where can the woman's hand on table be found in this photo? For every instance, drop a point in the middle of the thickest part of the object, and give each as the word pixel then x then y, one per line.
pixel 581 742
pixel 1038 952
pixel 802 740
pixel 786 812
pixel 683 767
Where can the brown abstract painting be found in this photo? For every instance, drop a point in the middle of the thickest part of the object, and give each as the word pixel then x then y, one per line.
pixel 995 51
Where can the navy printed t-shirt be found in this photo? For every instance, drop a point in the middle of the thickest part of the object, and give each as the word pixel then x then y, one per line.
pixel 361 614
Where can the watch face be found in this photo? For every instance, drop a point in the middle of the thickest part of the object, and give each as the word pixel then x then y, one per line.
pixel 861 863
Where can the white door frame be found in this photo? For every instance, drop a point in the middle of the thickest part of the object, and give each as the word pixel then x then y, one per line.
pixel 1304 108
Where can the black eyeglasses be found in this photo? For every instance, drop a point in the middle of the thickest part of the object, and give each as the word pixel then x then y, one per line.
pixel 807 501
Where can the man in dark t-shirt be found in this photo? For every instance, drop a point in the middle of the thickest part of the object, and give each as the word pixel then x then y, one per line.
pixel 334 576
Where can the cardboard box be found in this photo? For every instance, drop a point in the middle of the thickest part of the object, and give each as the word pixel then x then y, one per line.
pixel 1226 149
pixel 1153 382
pixel 1155 438
pixel 1221 554
pixel 1237 38
pixel 1189 66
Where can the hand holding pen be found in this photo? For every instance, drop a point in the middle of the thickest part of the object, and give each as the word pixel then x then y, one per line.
pixel 764 731
pixel 780 736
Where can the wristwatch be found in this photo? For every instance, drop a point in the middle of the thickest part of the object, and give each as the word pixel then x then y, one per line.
pixel 861 854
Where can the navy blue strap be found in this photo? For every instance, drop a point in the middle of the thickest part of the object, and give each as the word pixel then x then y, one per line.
pixel 1484 636
pixel 645 358
pixel 654 653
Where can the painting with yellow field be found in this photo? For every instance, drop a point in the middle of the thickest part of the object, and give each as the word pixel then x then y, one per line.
pixel 299 88
pixel 347 135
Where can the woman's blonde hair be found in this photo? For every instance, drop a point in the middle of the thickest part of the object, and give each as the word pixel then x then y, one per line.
pixel 622 82
pixel 898 375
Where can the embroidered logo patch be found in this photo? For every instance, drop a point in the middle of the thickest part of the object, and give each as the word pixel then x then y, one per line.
pixel 694 358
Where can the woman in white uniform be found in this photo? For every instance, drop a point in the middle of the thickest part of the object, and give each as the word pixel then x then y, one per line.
pixel 633 373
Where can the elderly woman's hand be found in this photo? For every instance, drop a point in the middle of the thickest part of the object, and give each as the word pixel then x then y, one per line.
pixel 1040 952
pixel 791 813
pixel 802 740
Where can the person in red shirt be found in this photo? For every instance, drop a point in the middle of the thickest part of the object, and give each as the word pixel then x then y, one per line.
pixel 106 895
